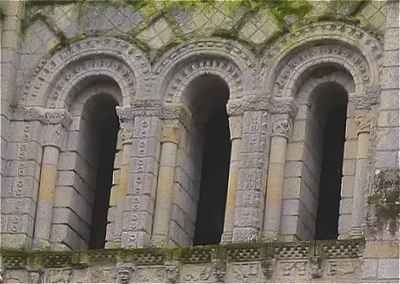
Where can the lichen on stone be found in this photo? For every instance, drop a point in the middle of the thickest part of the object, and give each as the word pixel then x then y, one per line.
pixel 385 199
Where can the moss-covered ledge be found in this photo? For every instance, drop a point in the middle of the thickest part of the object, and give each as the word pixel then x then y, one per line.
pixel 238 252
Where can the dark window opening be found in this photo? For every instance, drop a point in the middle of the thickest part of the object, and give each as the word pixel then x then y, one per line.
pixel 332 101
pixel 105 124
pixel 209 96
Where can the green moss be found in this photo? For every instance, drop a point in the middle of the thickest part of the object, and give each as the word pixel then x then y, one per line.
pixel 281 9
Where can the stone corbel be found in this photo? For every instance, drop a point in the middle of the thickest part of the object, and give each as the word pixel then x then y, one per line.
pixel 124 272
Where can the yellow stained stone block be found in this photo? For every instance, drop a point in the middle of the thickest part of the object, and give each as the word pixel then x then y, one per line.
pixel 47 182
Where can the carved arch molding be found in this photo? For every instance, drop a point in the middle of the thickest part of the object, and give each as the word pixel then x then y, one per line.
pixel 325 42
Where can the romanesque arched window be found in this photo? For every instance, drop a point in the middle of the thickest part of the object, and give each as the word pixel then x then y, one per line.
pixel 317 165
pixel 203 164
pixel 325 147
pixel 86 168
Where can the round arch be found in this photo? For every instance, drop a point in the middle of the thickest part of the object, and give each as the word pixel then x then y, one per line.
pixel 226 59
pixel 56 76
pixel 344 44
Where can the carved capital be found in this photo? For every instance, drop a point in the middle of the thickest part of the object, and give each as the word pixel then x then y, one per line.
pixel 363 121
pixel 171 132
pixel 176 112
pixel 366 101
pixel 54 135
pixel 282 127
pixel 126 135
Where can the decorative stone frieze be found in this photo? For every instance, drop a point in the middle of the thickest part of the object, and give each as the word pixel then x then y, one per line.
pixel 44 115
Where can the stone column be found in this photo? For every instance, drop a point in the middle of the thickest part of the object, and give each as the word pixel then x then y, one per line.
pixel 235 126
pixel 281 126
pixel 166 182
pixel 119 193
pixel 249 199
pixel 138 203
pixel 54 135
pixel 362 120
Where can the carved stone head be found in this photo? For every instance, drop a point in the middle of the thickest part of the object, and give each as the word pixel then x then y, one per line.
pixel 124 273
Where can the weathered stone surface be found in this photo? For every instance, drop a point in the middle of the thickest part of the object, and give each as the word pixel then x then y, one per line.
pixel 61 61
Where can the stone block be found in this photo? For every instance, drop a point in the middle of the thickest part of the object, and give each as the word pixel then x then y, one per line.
pixel 388 268
pixel 386 159
pixel 17 224
pixel 62 234
pixel 388 118
pixel 295 152
pixel 136 221
pixel 346 206
pixel 391 39
pixel 391 58
pixel 347 186
pixel 290 206
pixel 18 187
pixel 139 203
pixel 72 179
pixel 24 151
pixel 389 99
pixel 289 225
pixel 344 224
pixel 291 188
pixel 26 131
pixel 15 241
pixel 148 165
pixel 146 127
pixel 67 197
pixel 293 168
pixel 139 184
pixel 382 249
pixel 14 168
pixel 369 268
pixel 17 206
pixel 69 217
pixel 299 131
pixel 387 138
pixel 349 167
pixel 350 149
pixel 145 147
pixel 390 77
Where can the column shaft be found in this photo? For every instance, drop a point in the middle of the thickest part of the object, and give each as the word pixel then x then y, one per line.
pixel 44 213
pixel 360 183
pixel 273 202
pixel 165 187
pixel 231 194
